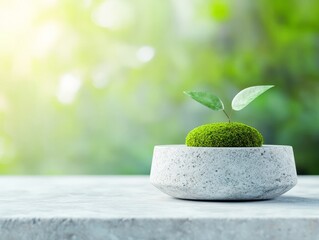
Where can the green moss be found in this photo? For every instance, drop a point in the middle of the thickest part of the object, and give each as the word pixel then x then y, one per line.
pixel 224 135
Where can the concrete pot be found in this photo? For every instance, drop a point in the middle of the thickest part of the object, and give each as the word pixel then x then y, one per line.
pixel 235 173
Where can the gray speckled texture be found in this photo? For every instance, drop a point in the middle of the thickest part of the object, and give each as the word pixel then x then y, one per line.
pixel 205 173
pixel 130 208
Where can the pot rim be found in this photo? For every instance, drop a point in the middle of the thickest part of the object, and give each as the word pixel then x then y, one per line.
pixel 266 146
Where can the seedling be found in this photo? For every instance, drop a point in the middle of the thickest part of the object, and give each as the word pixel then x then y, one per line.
pixel 240 101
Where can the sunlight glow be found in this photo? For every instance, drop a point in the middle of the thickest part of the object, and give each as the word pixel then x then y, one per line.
pixel 145 53
pixel 15 18
pixel 113 14
pixel 68 87
pixel 45 38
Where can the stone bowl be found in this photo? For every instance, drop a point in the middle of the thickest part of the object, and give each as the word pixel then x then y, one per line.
pixel 223 173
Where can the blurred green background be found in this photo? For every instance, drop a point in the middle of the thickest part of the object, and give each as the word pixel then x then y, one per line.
pixel 89 87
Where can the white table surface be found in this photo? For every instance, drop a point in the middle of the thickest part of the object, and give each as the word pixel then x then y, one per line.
pixel 129 207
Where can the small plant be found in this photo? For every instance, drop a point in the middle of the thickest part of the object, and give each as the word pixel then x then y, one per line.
pixel 240 101
pixel 229 134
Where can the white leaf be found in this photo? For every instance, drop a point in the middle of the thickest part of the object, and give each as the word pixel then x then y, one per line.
pixel 246 96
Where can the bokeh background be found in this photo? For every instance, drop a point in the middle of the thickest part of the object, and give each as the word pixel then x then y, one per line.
pixel 90 86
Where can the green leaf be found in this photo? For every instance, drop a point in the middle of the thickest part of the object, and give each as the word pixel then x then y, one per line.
pixel 207 99
pixel 246 96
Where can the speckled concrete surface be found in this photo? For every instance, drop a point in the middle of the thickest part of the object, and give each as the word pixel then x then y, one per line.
pixel 223 173
pixel 117 208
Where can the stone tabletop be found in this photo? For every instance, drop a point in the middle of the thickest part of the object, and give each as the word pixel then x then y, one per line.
pixel 128 207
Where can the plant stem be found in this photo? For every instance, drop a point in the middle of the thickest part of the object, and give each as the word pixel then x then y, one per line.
pixel 227 115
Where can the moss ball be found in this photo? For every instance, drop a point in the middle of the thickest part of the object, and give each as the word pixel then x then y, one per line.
pixel 224 135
